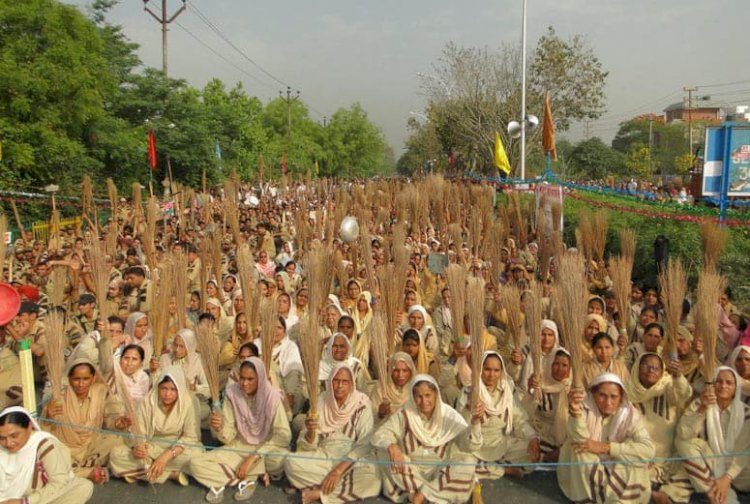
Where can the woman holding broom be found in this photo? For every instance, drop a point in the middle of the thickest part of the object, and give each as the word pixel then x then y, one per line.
pixel 394 393
pixel 605 427
pixel 168 414
pixel 713 427
pixel 252 420
pixel 427 430
pixel 659 391
pixel 78 415
pixel 604 361
pixel 183 354
pixel 549 415
pixel 341 430
pixel 506 435
pixel 36 465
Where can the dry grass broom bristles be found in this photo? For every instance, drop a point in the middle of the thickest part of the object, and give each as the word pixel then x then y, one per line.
pixel 627 244
pixel 391 296
pixel 112 193
pixel 268 315
pixel 673 287
pixel 379 346
pixel 247 283
pixel 136 189
pixel 571 297
pixel 204 253
pixel 54 351
pixel 209 348
pixel 318 273
pixel 369 263
pixel 160 312
pixel 99 276
pixel 510 299
pixel 456 278
pixel 599 236
pixel 620 271
pixel 87 197
pixel 475 312
pixel 710 287
pixel 58 278
pixel 180 287
pixel 713 241
pixel 152 216
pixel 532 308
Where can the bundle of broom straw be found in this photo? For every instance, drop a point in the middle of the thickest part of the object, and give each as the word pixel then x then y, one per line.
pixel 456 278
pixel 532 303
pixel 379 346
pixel 163 293
pixel 673 286
pixel 3 246
pixel 627 244
pixel 391 295
pixel 620 271
pixel 571 298
pixel 475 311
pixel 318 269
pixel 510 299
pixel 710 287
pixel 713 241
pixel 247 284
pixel 268 315
pixel 100 277
pixel 54 351
pixel 209 348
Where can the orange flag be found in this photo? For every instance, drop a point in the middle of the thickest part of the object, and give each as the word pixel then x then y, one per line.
pixel 548 131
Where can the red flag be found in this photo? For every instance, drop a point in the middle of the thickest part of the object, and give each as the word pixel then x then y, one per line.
pixel 151 149
pixel 548 131
pixel 283 163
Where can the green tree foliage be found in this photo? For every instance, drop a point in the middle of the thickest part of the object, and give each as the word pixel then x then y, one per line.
pixel 593 159
pixel 74 101
pixel 667 141
pixel 475 92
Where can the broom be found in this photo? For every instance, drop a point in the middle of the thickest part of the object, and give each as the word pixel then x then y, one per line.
pixel 456 278
pixel 620 271
pixel 510 299
pixel 247 283
pixel 180 287
pixel 209 348
pixel 673 286
pixel 152 215
pixel 475 311
pixel 318 273
pixel 100 277
pixel 571 297
pixel 268 318
pixel 533 314
pixel 54 351
pixel 379 347
pixel 627 244
pixel 713 241
pixel 390 300
pixel 3 245
pixel 710 287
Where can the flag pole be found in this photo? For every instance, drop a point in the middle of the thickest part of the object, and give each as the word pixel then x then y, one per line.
pixel 523 93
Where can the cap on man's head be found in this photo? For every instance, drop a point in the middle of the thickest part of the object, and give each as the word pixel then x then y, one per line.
pixel 29 292
pixel 28 307
pixel 86 299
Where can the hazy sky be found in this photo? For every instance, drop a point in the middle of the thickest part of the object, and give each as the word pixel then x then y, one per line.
pixel 337 52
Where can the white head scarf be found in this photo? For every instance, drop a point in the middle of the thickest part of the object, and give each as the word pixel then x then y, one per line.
pixel 720 441
pixel 333 416
pixel 743 383
pixel 327 362
pixel 623 420
pixel 17 469
pixel 504 405
pixel 445 424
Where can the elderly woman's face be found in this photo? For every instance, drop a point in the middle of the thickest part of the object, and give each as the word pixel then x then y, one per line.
pixel 425 398
pixel 401 374
pixel 141 328
pixel 608 397
pixel 548 339
pixel 416 319
pixel 650 371
pixel 725 385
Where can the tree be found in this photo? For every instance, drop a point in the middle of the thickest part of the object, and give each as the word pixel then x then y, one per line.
pixel 593 159
pixel 54 78
pixel 354 146
pixel 475 92
pixel 639 163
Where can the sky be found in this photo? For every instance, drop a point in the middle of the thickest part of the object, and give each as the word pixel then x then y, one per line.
pixel 338 52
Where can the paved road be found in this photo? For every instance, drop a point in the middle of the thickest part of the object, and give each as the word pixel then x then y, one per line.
pixel 537 488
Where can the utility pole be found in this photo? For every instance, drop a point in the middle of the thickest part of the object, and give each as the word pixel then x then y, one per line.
pixel 690 91
pixel 587 129
pixel 651 145
pixel 164 20
pixel 290 98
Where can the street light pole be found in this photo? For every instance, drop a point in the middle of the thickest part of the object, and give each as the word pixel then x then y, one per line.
pixel 164 20
pixel 523 93
pixel 289 99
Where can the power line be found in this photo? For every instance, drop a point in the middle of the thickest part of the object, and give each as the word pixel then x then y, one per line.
pixel 231 44
pixel 205 20
pixel 639 107
pixel 724 84
pixel 217 53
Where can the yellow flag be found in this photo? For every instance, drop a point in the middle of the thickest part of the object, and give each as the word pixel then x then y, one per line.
pixel 501 158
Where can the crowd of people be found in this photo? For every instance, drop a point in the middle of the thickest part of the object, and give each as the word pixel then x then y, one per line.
pixel 647 425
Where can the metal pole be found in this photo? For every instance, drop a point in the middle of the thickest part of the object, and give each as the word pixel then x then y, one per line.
pixel 523 93
pixel 164 64
pixel 690 91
